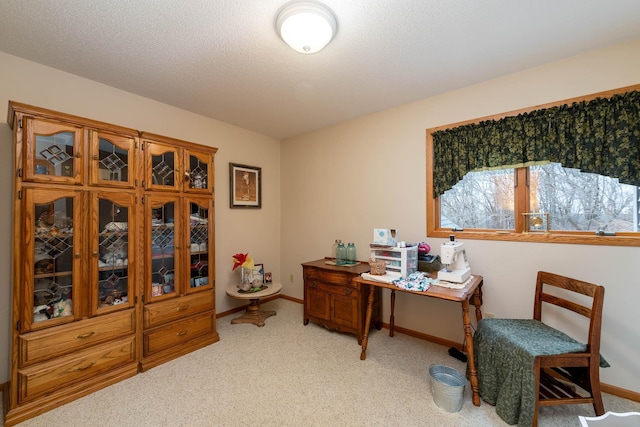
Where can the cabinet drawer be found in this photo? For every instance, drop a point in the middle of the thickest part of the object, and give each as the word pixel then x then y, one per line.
pixel 167 311
pixel 57 374
pixel 331 288
pixel 53 342
pixel 329 276
pixel 177 333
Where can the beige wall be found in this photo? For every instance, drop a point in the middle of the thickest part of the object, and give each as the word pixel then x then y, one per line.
pixel 255 231
pixel 343 181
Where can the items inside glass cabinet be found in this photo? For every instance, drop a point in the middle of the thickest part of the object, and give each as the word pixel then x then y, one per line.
pixel 163 169
pixel 54 154
pixel 53 260
pixel 199 245
pixel 113 162
pixel 113 260
pixel 162 250
pixel 198 173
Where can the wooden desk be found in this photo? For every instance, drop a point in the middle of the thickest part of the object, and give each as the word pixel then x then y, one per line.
pixel 471 293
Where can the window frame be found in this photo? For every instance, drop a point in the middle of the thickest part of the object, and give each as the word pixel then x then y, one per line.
pixel 521 195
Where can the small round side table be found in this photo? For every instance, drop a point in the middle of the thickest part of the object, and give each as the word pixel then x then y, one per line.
pixel 253 313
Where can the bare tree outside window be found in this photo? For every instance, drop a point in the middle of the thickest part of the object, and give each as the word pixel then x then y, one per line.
pixel 576 201
pixel 580 201
pixel 481 200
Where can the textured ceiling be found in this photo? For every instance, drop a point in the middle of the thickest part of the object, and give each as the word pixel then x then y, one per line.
pixel 223 58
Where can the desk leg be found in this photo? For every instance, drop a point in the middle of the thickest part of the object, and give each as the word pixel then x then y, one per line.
pixel 392 318
pixel 477 301
pixel 473 375
pixel 367 324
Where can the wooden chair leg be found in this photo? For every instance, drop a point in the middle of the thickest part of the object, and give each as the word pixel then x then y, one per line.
pixel 594 380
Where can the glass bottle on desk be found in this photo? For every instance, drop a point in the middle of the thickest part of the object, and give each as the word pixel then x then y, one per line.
pixel 351 253
pixel 334 247
pixel 341 254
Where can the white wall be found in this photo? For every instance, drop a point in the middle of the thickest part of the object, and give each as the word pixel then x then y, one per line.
pixel 255 231
pixel 343 181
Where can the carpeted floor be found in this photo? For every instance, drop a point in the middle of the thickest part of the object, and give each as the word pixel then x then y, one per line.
pixel 288 374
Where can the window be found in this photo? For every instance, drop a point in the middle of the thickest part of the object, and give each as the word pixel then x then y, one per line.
pixel 560 204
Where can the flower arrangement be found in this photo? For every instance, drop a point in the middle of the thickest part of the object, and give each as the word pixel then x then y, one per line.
pixel 242 260
pixel 247 275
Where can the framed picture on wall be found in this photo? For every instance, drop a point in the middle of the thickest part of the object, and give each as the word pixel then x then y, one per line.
pixel 245 186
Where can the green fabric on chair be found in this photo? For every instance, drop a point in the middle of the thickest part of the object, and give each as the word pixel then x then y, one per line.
pixel 504 351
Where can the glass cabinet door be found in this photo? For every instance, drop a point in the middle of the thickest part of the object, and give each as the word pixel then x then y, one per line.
pixel 53 152
pixel 113 252
pixel 112 159
pixel 199 172
pixel 201 260
pixel 163 171
pixel 162 248
pixel 52 262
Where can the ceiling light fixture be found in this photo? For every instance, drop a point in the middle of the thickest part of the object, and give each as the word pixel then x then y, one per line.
pixel 307 27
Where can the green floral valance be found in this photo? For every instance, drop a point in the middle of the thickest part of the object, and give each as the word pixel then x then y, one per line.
pixel 600 136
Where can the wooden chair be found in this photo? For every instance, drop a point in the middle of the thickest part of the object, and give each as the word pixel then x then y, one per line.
pixel 555 374
pixel 564 370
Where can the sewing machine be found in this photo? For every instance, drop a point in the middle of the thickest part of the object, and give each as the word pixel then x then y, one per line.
pixel 456 267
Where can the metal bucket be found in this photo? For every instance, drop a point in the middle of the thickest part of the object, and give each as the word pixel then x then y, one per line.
pixel 447 387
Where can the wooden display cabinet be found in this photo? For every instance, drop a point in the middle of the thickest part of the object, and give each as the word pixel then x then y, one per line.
pixel 333 300
pixel 83 314
pixel 179 304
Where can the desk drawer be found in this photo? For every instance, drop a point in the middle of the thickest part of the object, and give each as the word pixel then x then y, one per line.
pixel 178 333
pixel 327 276
pixel 53 342
pixel 57 374
pixel 345 290
pixel 167 311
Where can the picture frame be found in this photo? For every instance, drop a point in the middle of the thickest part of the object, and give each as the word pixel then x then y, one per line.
pixel 43 167
pixel 258 273
pixel 245 186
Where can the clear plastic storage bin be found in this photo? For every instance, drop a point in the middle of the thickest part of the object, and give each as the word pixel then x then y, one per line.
pixel 399 260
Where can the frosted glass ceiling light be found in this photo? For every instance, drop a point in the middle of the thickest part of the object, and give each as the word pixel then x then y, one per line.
pixel 307 27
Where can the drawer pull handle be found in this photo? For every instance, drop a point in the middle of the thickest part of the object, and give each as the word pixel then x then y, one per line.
pixel 87 335
pixel 182 308
pixel 347 291
pixel 181 334
pixel 314 285
pixel 85 368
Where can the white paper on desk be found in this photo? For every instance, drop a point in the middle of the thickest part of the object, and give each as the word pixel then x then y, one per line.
pixel 389 277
